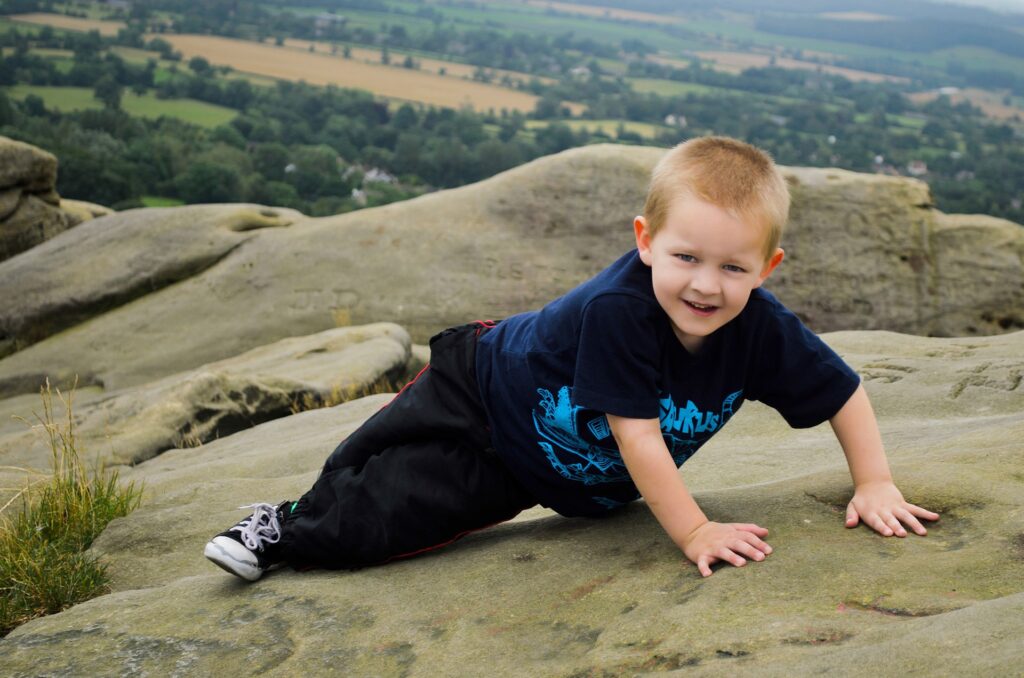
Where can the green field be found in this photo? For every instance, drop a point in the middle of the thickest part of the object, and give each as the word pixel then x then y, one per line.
pixel 146 106
pixel 158 201
pixel 976 57
pixel 671 88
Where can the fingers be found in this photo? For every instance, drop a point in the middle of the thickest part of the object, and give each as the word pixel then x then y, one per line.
pixel 922 512
pixel 733 546
pixel 755 551
pixel 910 521
pixel 877 523
pixel 895 525
pixel 751 528
pixel 728 555
pixel 852 517
pixel 892 524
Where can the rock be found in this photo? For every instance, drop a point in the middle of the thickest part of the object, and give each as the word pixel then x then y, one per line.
pixel 868 251
pixel 865 251
pixel 79 210
pixel 29 204
pixel 26 167
pixel 549 596
pixel 215 400
pixel 108 262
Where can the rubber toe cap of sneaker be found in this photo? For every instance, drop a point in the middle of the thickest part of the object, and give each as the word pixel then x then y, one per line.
pixel 231 556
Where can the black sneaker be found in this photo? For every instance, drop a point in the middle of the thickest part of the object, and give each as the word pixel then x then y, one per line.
pixel 247 549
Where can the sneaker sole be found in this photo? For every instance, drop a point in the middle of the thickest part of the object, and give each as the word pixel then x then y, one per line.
pixel 220 557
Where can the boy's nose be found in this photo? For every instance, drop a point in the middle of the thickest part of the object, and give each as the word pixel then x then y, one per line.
pixel 705 281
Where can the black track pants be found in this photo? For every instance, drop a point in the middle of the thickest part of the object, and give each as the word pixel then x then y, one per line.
pixel 419 474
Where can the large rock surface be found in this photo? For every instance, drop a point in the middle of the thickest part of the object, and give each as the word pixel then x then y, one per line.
pixel 865 251
pixel 547 596
pixel 29 204
pixel 108 262
pixel 213 401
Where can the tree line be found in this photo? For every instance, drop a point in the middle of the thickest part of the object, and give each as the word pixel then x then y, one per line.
pixel 287 133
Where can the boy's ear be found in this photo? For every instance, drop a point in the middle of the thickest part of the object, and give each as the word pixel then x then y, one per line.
pixel 771 264
pixel 643 239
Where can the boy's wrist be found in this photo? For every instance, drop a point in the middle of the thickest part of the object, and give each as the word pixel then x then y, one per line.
pixel 861 483
pixel 687 535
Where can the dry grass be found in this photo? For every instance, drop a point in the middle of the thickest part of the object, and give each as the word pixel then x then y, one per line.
pixel 990 102
pixel 372 56
pixel 340 394
pixel 734 62
pixel 47 526
pixel 324 69
pixel 108 28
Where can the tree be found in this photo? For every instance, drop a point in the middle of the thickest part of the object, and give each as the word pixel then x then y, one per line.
pixel 6 110
pixel 109 92
pixel 238 94
pixel 207 181
pixel 34 105
pixel 199 66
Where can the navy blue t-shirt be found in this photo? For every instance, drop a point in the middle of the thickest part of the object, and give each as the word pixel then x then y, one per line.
pixel 548 377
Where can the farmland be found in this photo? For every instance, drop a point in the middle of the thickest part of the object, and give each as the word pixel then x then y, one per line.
pixel 107 28
pixel 609 128
pixel 993 104
pixel 736 62
pixel 315 68
pixel 295 61
pixel 438 66
pixel 603 12
pixel 506 68
pixel 145 106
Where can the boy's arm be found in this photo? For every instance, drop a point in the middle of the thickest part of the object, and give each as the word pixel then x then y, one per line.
pixel 654 472
pixel 876 499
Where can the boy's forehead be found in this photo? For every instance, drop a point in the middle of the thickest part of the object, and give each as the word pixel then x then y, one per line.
pixel 695 214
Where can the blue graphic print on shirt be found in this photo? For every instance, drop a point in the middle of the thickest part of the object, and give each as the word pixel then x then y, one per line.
pixel 577 456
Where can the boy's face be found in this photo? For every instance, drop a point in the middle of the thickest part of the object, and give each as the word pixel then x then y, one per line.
pixel 704 264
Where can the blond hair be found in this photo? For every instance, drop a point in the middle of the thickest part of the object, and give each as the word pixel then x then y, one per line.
pixel 730 174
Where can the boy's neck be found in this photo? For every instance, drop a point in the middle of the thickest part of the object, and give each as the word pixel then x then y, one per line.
pixel 691 343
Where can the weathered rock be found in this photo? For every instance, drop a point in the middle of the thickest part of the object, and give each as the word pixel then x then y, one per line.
pixel 80 210
pixel 548 596
pixel 215 400
pixel 865 251
pixel 111 261
pixel 868 251
pixel 29 204
pixel 26 167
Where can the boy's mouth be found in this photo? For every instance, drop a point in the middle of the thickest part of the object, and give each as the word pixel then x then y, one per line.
pixel 700 309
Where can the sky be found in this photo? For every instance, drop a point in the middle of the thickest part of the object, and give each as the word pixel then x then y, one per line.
pixel 998 5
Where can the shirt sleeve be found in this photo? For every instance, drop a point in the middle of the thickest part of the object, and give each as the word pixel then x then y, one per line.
pixel 617 357
pixel 798 374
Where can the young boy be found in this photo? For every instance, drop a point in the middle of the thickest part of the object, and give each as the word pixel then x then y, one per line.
pixel 596 399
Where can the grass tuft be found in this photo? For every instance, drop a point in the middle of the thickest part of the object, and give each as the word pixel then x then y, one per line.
pixel 339 395
pixel 47 526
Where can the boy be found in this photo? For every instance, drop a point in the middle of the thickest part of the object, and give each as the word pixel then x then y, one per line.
pixel 597 398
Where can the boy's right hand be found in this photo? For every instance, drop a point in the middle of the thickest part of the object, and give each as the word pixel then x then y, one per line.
pixel 733 543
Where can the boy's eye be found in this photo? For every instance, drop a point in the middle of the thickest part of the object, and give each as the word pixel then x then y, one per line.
pixel 686 257
pixel 734 268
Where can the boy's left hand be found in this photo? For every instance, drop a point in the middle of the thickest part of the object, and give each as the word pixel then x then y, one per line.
pixel 881 506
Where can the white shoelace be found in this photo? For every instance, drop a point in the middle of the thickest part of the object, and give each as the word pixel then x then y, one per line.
pixel 262 527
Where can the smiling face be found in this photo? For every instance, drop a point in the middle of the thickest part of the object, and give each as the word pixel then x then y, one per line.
pixel 704 264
